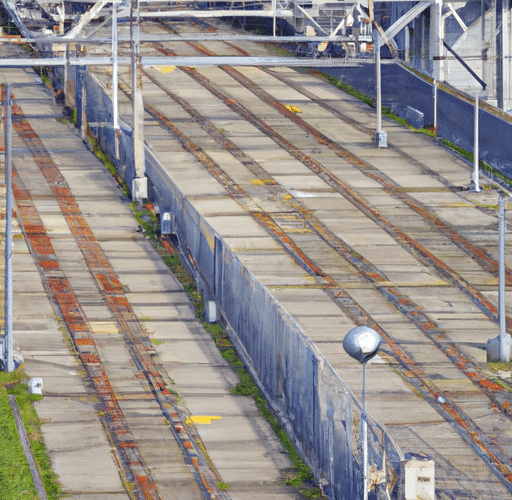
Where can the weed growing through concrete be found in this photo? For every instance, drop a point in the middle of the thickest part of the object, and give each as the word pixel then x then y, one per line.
pixel 347 88
pixel 222 486
pixel 470 157
pixel 15 477
pixel 96 149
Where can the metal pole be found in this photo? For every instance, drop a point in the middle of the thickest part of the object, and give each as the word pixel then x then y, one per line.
pixel 505 58
pixel 378 85
pixel 274 8
pixel 115 100
pixel 380 135
pixel 435 105
pixel 504 351
pixel 500 33
pixel 483 49
pixel 8 343
pixel 139 183
pixel 476 173
pixel 364 436
pixel 436 40
pixel 66 71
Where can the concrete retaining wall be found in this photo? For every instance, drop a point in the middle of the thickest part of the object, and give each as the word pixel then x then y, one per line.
pixel 320 413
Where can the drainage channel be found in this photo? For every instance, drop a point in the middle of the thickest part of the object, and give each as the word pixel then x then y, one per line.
pixel 63 296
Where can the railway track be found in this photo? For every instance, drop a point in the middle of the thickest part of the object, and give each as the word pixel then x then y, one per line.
pixel 95 354
pixel 332 262
pixel 454 259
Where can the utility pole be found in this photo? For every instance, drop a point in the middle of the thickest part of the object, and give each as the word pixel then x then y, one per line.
pixel 8 342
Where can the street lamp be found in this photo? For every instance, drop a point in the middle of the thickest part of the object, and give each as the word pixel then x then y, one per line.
pixel 362 344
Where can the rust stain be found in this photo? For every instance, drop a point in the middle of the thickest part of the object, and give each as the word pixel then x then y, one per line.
pixel 60 287
pixel 89 359
pixel 49 264
pixel 491 385
pixel 85 341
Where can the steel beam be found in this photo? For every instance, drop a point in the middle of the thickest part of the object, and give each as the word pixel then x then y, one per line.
pixel 174 61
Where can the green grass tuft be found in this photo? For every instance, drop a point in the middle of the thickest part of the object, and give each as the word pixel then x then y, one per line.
pixel 15 477
pixel 222 486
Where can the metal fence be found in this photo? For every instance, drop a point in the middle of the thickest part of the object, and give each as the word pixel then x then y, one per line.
pixel 403 88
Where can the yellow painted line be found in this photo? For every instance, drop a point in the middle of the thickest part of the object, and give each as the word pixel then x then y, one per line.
pixel 125 397
pixel 456 385
pixel 201 419
pixel 460 205
pixel 293 109
pixel 165 69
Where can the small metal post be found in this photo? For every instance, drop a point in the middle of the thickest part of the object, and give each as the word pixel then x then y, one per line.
pixel 8 342
pixel 115 100
pixel 274 8
pixel 364 435
pixel 380 135
pixel 435 105
pixel 476 173
pixel 504 340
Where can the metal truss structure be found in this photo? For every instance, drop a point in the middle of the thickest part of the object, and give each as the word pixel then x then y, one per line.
pixel 434 36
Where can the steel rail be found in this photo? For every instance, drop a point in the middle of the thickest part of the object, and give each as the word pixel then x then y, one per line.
pixel 495 457
pixel 62 293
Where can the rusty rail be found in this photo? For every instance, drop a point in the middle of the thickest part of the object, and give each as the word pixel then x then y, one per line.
pixel 130 459
pixel 495 457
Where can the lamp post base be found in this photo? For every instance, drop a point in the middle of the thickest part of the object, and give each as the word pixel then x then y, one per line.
pixel 381 139
pixel 139 188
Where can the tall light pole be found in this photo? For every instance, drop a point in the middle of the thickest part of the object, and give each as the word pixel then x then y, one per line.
pixel 8 343
pixel 362 344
